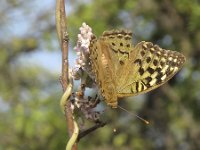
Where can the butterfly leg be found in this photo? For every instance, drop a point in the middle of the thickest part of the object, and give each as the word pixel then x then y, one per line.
pixel 88 109
pixel 94 102
pixel 86 105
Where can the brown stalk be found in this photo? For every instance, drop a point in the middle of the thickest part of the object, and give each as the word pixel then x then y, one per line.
pixel 63 39
pixel 92 129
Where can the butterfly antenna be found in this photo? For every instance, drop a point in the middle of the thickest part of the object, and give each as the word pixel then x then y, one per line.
pixel 142 119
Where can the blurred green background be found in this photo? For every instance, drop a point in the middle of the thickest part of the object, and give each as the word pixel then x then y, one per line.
pixel 30 66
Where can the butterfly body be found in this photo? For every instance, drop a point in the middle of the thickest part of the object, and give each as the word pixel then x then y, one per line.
pixel 122 70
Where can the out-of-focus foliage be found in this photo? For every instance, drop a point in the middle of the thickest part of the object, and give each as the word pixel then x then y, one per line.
pixel 30 117
pixel 29 94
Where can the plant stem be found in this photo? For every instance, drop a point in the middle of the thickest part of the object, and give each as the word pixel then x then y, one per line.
pixel 63 39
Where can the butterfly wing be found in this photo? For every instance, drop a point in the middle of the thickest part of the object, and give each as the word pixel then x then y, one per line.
pixel 119 47
pixel 102 68
pixel 149 67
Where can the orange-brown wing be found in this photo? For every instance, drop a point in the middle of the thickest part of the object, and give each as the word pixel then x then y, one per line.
pixel 149 67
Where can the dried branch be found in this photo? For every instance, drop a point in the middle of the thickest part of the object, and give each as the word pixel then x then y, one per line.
pixel 92 129
pixel 63 39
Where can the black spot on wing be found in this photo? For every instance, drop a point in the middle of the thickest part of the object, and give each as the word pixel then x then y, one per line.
pixel 148 79
pixel 138 61
pixel 148 59
pixel 113 44
pixel 142 86
pixel 162 63
pixel 141 71
pixel 137 86
pixel 158 70
pixel 142 53
pixel 159 75
pixel 150 70
pixel 155 62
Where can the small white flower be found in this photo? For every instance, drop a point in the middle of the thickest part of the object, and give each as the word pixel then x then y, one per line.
pixel 82 48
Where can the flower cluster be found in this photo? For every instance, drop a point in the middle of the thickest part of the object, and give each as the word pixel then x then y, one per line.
pixel 83 71
pixel 82 50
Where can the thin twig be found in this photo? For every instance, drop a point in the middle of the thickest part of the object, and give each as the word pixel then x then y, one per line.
pixel 92 129
pixel 63 39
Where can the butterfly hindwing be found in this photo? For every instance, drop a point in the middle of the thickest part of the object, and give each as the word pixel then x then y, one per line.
pixel 152 67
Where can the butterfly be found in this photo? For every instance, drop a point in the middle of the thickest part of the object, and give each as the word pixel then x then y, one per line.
pixel 122 70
